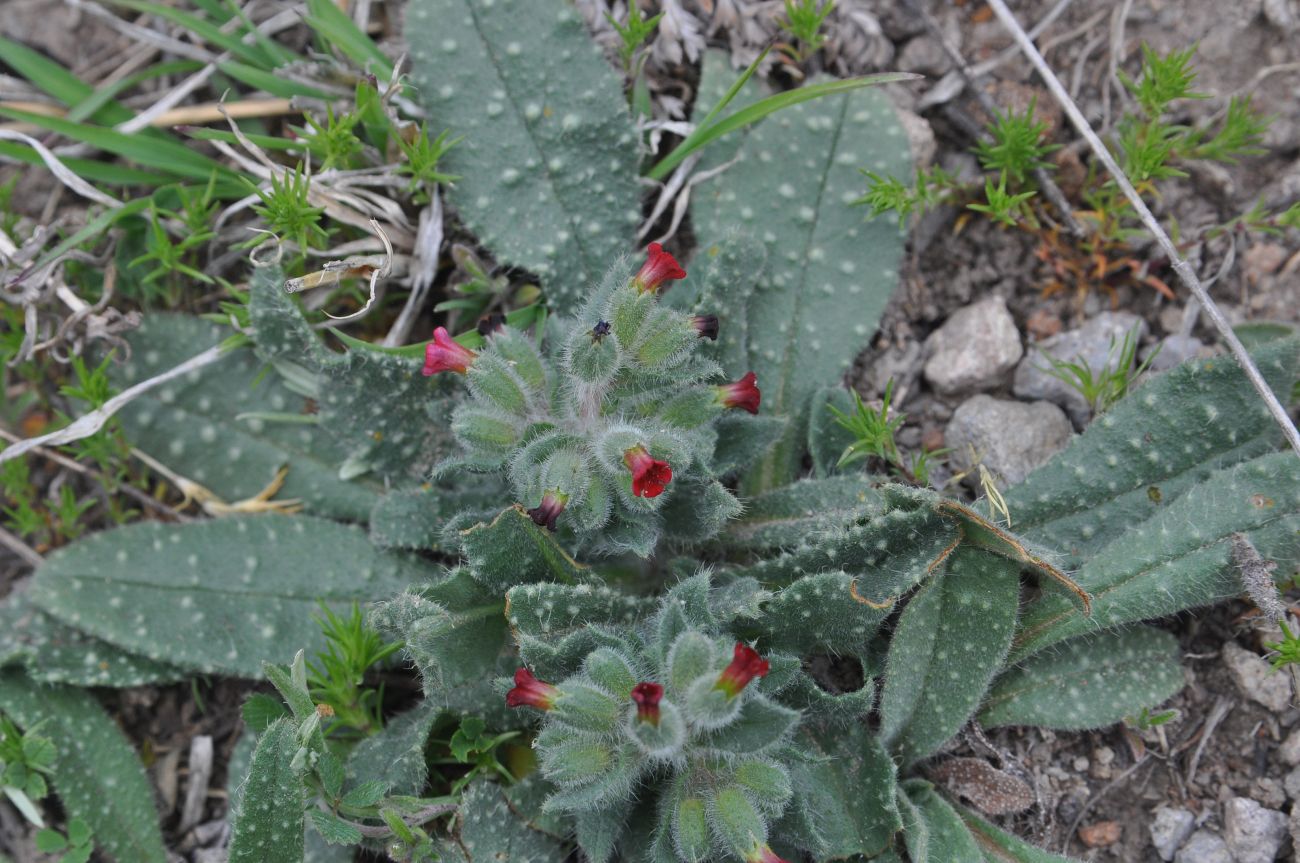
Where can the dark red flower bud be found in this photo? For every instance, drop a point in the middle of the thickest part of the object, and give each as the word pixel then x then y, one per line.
pixel 649 475
pixel 545 513
pixel 489 324
pixel 742 394
pixel 706 326
pixel 763 854
pixel 531 692
pixel 659 267
pixel 647 697
pixel 745 665
pixel 445 355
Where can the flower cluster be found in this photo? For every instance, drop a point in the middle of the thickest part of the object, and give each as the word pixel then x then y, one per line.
pixel 612 428
pixel 688 735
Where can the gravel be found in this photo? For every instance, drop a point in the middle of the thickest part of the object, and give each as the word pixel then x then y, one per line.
pixel 974 349
pixel 1204 847
pixel 1010 438
pixel 1170 829
pixel 1254 834
pixel 1255 678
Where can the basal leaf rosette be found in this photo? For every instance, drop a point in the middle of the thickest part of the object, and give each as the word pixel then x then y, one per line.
pixel 596 433
pixel 685 732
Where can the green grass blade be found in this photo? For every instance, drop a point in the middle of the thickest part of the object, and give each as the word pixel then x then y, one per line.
pixel 53 79
pixel 266 142
pixel 98 99
pixel 335 27
pixel 733 90
pixel 92 170
pixel 204 29
pixel 162 154
pixel 704 135
pixel 270 82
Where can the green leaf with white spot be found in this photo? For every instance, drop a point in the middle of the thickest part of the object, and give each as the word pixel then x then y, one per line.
pixel 1087 682
pixel 933 831
pixel 949 643
pixel 219 596
pixel 97 775
pixel 548 164
pixel 1181 557
pixel 268 827
pixel 52 652
pixel 231 426
pixel 490 832
pixel 829 272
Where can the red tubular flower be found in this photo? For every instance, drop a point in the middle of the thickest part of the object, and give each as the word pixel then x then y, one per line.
pixel 445 355
pixel 745 665
pixel 763 854
pixel 545 513
pixel 742 394
pixel 659 267
pixel 647 697
pixel 706 326
pixel 649 475
pixel 531 692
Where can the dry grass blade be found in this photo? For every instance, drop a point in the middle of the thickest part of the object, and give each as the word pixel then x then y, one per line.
pixel 1180 265
pixel 62 172
pixel 86 425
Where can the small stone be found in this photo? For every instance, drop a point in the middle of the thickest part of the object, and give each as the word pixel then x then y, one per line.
pixel 924 55
pixel 1102 759
pixel 1269 792
pixel 974 349
pixel 1254 834
pixel 1262 259
pixel 1255 678
pixel 1100 835
pixel 1173 351
pixel 1204 847
pixel 1289 751
pixel 1294 826
pixel 932 439
pixel 1291 784
pixel 1081 764
pixel 1096 343
pixel 1170 829
pixel 1009 438
pixel 1042 324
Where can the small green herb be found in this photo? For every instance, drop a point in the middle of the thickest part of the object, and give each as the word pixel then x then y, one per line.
pixel 1004 207
pixel 803 21
pixel 469 745
pixel 1017 148
pixel 632 34
pixel 337 675
pixel 1285 652
pixel 26 758
pixel 1103 387
pixel 76 847
pixel 422 154
pixel 287 212
pixel 1147 720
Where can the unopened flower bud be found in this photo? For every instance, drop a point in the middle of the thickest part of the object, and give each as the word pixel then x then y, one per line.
pixel 742 394
pixel 745 665
pixel 545 513
pixel 706 326
pixel 444 354
pixel 761 853
pixel 647 697
pixel 531 692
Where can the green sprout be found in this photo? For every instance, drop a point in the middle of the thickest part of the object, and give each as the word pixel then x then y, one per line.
pixel 873 429
pixel 1147 720
pixel 1163 80
pixel 803 21
pixel 75 847
pixel 285 208
pixel 25 760
pixel 1285 652
pixel 884 194
pixel 335 141
pixel 421 165
pixel 1017 148
pixel 1102 388
pixel 469 745
pixel 337 675
pixel 632 34
pixel 1003 207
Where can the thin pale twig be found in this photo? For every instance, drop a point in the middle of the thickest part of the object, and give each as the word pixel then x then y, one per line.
pixel 424 266
pixel 1184 269
pixel 62 172
pixel 20 548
